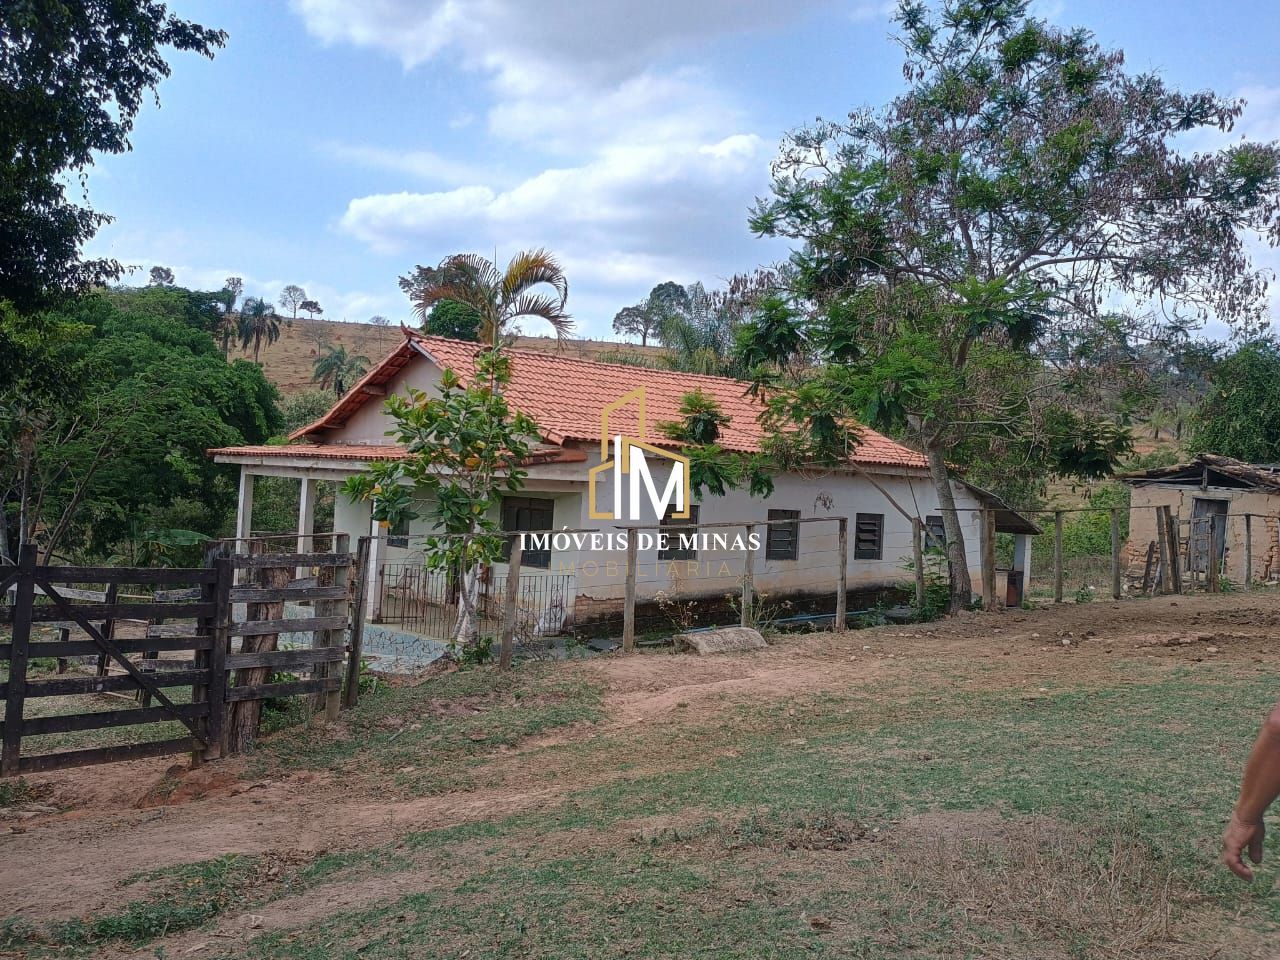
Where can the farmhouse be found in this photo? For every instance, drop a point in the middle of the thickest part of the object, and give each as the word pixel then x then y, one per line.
pixel 580 578
pixel 1223 508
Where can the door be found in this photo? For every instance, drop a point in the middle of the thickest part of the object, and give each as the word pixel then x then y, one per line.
pixel 1208 532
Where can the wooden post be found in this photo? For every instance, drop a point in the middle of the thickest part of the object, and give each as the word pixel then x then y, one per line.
pixel 510 606
pixel 988 559
pixel 351 690
pixel 1115 553
pixel 24 600
pixel 1146 569
pixel 242 719
pixel 629 597
pixel 747 618
pixel 1162 538
pixel 917 560
pixel 226 575
pixel 842 588
pixel 339 575
pixel 1175 555
pixel 1057 556
pixel 1214 573
pixel 1248 550
pixel 108 627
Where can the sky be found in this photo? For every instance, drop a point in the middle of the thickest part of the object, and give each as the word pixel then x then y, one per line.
pixel 338 144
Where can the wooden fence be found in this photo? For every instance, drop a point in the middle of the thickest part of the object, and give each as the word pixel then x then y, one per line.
pixel 226 657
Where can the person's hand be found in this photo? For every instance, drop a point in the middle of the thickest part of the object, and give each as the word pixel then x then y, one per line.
pixel 1239 836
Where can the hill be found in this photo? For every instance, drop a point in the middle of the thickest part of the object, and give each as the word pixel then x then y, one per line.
pixel 289 361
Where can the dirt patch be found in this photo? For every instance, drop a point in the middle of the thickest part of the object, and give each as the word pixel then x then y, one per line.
pixel 181 784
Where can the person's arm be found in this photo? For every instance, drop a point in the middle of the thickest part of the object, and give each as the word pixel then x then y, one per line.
pixel 1261 786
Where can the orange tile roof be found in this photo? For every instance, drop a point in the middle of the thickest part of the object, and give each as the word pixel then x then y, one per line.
pixel 373 451
pixel 321 451
pixel 565 394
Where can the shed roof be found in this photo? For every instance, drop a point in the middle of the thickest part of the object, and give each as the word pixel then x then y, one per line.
pixel 1209 469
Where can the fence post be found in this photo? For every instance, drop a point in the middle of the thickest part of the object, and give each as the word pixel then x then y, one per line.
pixel 988 559
pixel 1248 550
pixel 1115 553
pixel 629 597
pixel 748 581
pixel 1162 539
pixel 1213 570
pixel 1175 556
pixel 1057 556
pixel 24 600
pixel 218 706
pixel 510 603
pixel 332 670
pixel 351 691
pixel 917 560
pixel 842 596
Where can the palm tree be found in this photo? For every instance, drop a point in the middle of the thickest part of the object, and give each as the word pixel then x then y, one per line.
pixel 500 297
pixel 258 322
pixel 339 369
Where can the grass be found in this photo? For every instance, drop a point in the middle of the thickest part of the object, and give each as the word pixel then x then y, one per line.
pixel 427 739
pixel 1076 824
pixel 901 819
pixel 186 897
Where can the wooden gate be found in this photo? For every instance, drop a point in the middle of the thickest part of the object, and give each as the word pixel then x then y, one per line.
pixel 183 628
pixel 46 596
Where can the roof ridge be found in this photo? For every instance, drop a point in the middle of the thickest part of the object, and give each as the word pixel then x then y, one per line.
pixel 548 355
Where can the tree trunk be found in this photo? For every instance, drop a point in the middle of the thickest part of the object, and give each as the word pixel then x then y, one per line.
pixel 468 629
pixel 961 584
pixel 242 719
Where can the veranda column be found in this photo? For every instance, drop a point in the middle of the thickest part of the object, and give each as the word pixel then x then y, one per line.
pixel 377 554
pixel 306 520
pixel 244 509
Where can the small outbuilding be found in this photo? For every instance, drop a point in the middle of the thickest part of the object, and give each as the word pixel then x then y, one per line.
pixel 1222 506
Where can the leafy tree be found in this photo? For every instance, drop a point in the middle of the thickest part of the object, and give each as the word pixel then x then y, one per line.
pixel 1240 417
pixel 646 318
pixel 300 409
pixel 467 447
pixel 160 392
pixel 232 288
pixel 258 322
pixel 711 467
pixel 311 308
pixel 74 79
pixel 291 298
pixel 500 297
pixel 449 318
pixel 161 277
pixel 1022 185
pixel 338 369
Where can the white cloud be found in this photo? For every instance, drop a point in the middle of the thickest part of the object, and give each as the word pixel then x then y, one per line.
pixel 422 164
pixel 631 167
pixel 603 42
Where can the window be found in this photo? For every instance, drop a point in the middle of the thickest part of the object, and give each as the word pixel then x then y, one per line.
pixel 935 535
pixel 782 542
pixel 868 536
pixel 527 514
pixel 398 533
pixel 674 528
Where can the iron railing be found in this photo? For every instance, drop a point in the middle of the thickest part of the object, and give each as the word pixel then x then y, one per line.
pixel 427 602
